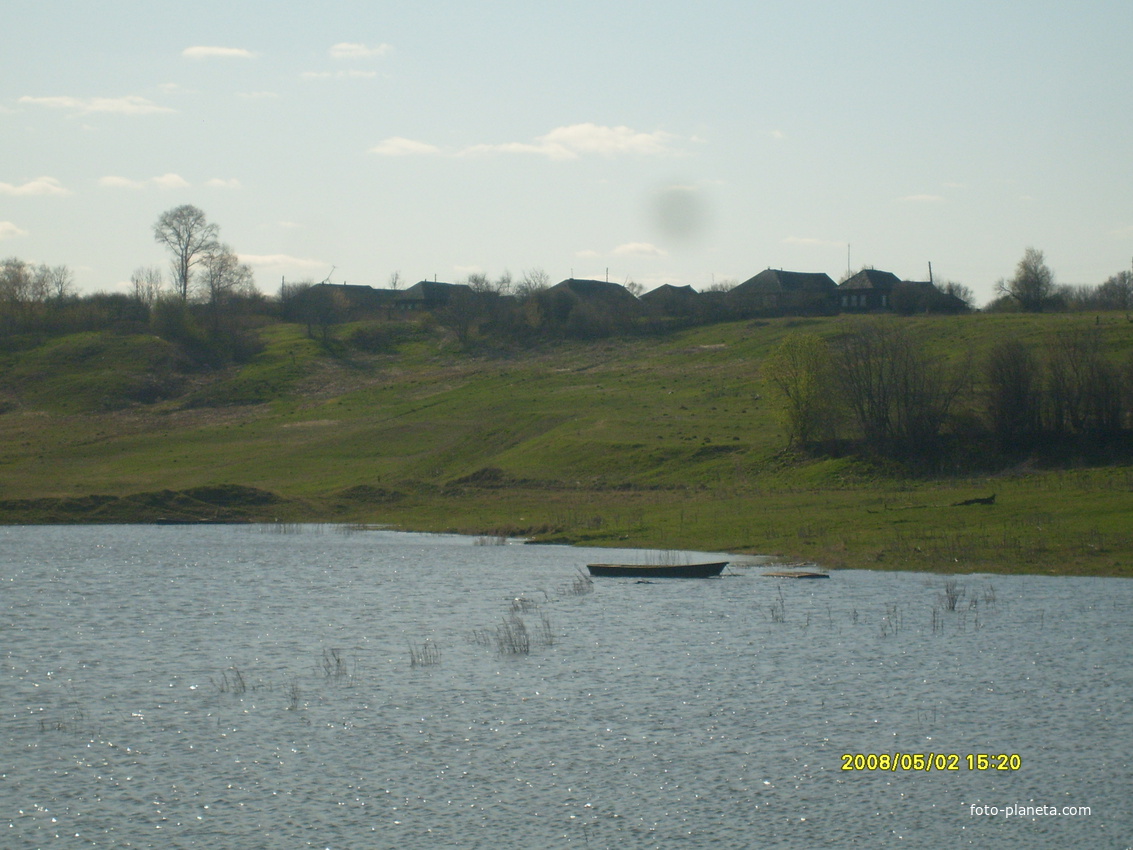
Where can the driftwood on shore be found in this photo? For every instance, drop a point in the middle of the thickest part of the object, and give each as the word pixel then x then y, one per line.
pixel 990 500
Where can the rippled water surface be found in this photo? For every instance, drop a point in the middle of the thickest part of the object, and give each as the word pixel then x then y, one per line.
pixel 240 687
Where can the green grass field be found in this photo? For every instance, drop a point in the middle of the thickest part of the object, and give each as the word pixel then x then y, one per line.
pixel 667 442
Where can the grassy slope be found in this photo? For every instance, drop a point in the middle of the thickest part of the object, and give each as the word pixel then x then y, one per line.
pixel 667 443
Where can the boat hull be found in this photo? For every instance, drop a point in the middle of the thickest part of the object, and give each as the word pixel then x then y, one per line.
pixel 657 570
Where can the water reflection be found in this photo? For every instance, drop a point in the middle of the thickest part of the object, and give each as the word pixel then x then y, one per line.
pixel 237 686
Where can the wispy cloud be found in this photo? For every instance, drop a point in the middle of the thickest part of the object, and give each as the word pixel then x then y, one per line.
pixel 164 181
pixel 128 105
pixel 576 140
pixel 221 183
pixel 639 249
pixel 281 261
pixel 10 231
pixel 810 241
pixel 256 95
pixel 1123 232
pixel 38 186
pixel 562 143
pixel 353 50
pixel 922 199
pixel 338 75
pixel 398 146
pixel 207 52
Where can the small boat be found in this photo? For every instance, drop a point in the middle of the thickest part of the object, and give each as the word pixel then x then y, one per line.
pixel 795 574
pixel 658 570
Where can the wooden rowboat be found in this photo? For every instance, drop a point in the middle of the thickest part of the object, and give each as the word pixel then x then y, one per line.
pixel 658 570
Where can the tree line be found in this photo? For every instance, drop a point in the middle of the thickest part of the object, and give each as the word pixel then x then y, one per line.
pixel 877 387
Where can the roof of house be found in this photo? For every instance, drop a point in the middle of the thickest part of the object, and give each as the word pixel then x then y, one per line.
pixel 667 291
pixel 777 280
pixel 432 290
pixel 594 289
pixel 871 279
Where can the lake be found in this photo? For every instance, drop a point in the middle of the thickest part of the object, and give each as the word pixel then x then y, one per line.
pixel 314 686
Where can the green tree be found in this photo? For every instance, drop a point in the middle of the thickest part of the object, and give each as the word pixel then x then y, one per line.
pixel 798 372
pixel 1032 287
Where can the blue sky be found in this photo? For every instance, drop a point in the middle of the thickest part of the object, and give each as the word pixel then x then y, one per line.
pixel 653 142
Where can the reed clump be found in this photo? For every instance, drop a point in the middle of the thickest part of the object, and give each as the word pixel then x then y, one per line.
pixel 425 654
pixel 514 637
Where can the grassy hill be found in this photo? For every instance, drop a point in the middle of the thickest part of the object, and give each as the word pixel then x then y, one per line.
pixel 668 441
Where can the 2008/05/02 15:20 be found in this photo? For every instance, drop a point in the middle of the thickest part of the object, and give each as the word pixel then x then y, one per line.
pixel 931 761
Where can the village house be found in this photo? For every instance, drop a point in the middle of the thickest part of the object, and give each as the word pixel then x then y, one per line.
pixel 430 295
pixel 869 289
pixel 783 292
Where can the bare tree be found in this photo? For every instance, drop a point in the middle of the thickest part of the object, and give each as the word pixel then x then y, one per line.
pixel 222 275
pixel 15 280
pixel 61 281
pixel 899 395
pixel 187 233
pixel 532 282
pixel 1084 389
pixel 959 291
pixel 147 282
pixel 1013 379
pixel 1117 292
pixel 1033 283
pixel 395 280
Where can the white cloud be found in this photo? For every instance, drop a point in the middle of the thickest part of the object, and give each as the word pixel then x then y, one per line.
pixel 281 261
pixel 810 241
pixel 338 75
pixel 165 181
pixel 128 105
pixel 170 181
pixel 576 140
pixel 10 231
pixel 38 186
pixel 220 183
pixel 398 146
pixel 639 249
pixel 570 142
pixel 353 50
pixel 922 199
pixel 203 52
pixel 113 181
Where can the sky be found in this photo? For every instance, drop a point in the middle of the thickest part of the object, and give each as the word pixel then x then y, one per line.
pixel 631 141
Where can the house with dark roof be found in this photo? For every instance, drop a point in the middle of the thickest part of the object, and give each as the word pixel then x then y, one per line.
pixel 869 289
pixel 669 300
pixel 430 295
pixel 347 301
pixel 779 291
pixel 595 291
pixel 872 290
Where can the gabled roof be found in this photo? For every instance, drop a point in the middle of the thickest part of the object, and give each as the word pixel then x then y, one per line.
pixel 433 291
pixel 594 290
pixel 667 292
pixel 777 280
pixel 874 279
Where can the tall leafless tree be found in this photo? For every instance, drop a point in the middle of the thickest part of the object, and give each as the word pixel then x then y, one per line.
pixel 187 233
